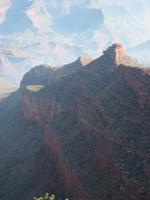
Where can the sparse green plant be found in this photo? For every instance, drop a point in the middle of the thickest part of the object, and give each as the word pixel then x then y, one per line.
pixel 46 196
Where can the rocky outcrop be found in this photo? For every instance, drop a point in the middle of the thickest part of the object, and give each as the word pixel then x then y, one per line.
pixel 38 75
pixel 118 56
pixel 116 53
pixel 46 75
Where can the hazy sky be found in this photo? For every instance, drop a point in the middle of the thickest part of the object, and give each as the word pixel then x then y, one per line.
pixel 58 31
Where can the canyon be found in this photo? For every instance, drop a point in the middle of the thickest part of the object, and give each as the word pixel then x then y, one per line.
pixel 81 131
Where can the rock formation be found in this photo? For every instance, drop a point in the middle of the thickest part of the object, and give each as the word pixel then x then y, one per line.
pixel 46 75
pixel 91 128
pixel 116 53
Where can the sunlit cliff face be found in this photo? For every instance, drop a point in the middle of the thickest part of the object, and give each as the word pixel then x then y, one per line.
pixel 116 53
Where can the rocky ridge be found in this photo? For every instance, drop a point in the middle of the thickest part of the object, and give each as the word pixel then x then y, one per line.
pixel 92 127
pixel 91 119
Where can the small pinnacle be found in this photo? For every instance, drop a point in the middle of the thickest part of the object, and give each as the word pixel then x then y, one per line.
pixel 116 52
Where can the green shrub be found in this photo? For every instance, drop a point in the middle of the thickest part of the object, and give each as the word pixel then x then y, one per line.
pixel 46 196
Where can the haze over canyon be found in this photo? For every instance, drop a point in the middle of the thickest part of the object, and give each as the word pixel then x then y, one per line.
pixel 74 100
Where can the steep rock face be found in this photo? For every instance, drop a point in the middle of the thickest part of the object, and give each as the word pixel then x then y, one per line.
pixel 116 53
pixel 96 128
pixel 38 111
pixel 118 56
pixel 20 141
pixel 66 176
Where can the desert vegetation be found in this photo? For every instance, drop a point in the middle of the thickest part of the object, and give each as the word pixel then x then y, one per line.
pixel 47 196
